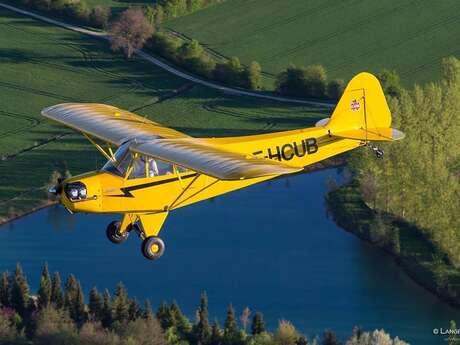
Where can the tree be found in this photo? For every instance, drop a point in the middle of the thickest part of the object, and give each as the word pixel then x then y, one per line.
pixel 286 334
pixel 162 314
pixel 120 304
pixel 134 310
pixel 252 76
pixel 390 81
pixel 203 331
pixel 96 304
pixel 302 81
pixel 216 334
pixel 57 297
pixel 130 31
pixel 181 322
pixel 452 339
pixel 106 318
pixel 147 312
pixel 74 300
pixel 53 326
pixel 315 81
pixel 258 324
pixel 335 88
pixel 143 332
pixel 450 69
pixel 244 318
pixel 19 291
pixel 100 16
pixel 230 326
pixel 302 340
pixel 78 10
pixel 189 50
pixel 8 331
pixel 229 72
pixel 330 338
pixel 45 289
pixel 5 300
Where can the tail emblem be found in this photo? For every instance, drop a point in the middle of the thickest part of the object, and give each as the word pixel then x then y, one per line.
pixel 354 106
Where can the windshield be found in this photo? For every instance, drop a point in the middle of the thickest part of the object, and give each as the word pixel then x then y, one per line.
pixel 121 161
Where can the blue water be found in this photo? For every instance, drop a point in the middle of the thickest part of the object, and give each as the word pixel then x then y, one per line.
pixel 269 247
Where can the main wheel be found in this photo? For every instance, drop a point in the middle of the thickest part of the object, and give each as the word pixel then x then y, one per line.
pixel 113 233
pixel 153 247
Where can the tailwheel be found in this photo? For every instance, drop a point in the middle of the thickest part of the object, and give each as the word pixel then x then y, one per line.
pixel 113 233
pixel 153 247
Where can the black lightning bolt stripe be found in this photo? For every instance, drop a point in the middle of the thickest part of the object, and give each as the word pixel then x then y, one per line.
pixel 127 190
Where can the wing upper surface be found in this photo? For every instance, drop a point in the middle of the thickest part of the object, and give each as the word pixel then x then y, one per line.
pixel 106 122
pixel 208 159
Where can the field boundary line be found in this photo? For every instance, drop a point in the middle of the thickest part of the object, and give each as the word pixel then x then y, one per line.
pixel 167 67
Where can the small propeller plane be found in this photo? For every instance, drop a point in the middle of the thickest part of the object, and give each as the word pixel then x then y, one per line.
pixel 152 170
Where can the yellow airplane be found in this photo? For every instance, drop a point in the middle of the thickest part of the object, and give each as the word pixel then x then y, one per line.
pixel 156 170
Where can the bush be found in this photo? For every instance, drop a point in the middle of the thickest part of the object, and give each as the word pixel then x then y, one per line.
pixel 391 83
pixel 302 81
pixel 335 88
pixel 100 16
pixel 78 11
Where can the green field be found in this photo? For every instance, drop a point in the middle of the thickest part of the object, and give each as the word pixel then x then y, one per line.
pixel 42 65
pixel 345 36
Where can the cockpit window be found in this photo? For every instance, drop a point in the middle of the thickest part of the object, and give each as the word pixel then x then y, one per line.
pixel 149 167
pixel 120 163
pixel 141 167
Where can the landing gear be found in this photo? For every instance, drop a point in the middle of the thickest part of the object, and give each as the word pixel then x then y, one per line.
pixel 377 151
pixel 153 247
pixel 113 233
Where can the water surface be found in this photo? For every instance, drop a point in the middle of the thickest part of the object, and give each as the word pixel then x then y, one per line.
pixel 270 247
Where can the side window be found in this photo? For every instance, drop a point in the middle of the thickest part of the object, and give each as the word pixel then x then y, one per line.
pixel 139 168
pixel 157 167
pixel 149 167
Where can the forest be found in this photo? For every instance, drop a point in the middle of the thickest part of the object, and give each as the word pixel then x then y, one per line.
pixel 418 180
pixel 58 314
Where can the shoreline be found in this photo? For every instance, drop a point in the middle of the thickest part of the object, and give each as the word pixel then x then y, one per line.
pixel 359 220
pixel 27 212
pixel 330 163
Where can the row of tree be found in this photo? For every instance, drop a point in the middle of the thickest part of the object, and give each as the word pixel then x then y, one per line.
pixel 76 10
pixel 418 180
pixel 59 315
pixel 166 9
pixel 132 30
pixel 308 82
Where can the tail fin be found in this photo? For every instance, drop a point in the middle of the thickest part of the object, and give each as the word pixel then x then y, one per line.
pixel 362 112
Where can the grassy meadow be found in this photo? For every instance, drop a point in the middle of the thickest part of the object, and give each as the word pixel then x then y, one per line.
pixel 42 65
pixel 345 36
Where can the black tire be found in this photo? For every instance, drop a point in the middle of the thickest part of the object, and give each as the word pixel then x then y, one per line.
pixel 153 247
pixel 113 235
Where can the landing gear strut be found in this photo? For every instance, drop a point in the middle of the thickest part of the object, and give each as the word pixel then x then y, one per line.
pixel 113 233
pixel 153 247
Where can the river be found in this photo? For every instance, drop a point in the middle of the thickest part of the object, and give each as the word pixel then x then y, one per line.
pixel 270 247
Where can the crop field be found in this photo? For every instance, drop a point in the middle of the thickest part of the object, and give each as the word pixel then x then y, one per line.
pixel 42 65
pixel 345 36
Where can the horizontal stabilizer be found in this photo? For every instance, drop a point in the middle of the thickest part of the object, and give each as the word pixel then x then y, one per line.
pixel 372 134
pixel 322 122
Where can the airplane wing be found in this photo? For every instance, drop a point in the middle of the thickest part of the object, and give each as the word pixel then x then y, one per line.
pixel 208 159
pixel 107 123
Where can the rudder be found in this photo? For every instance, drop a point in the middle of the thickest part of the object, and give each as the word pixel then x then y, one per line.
pixel 362 112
